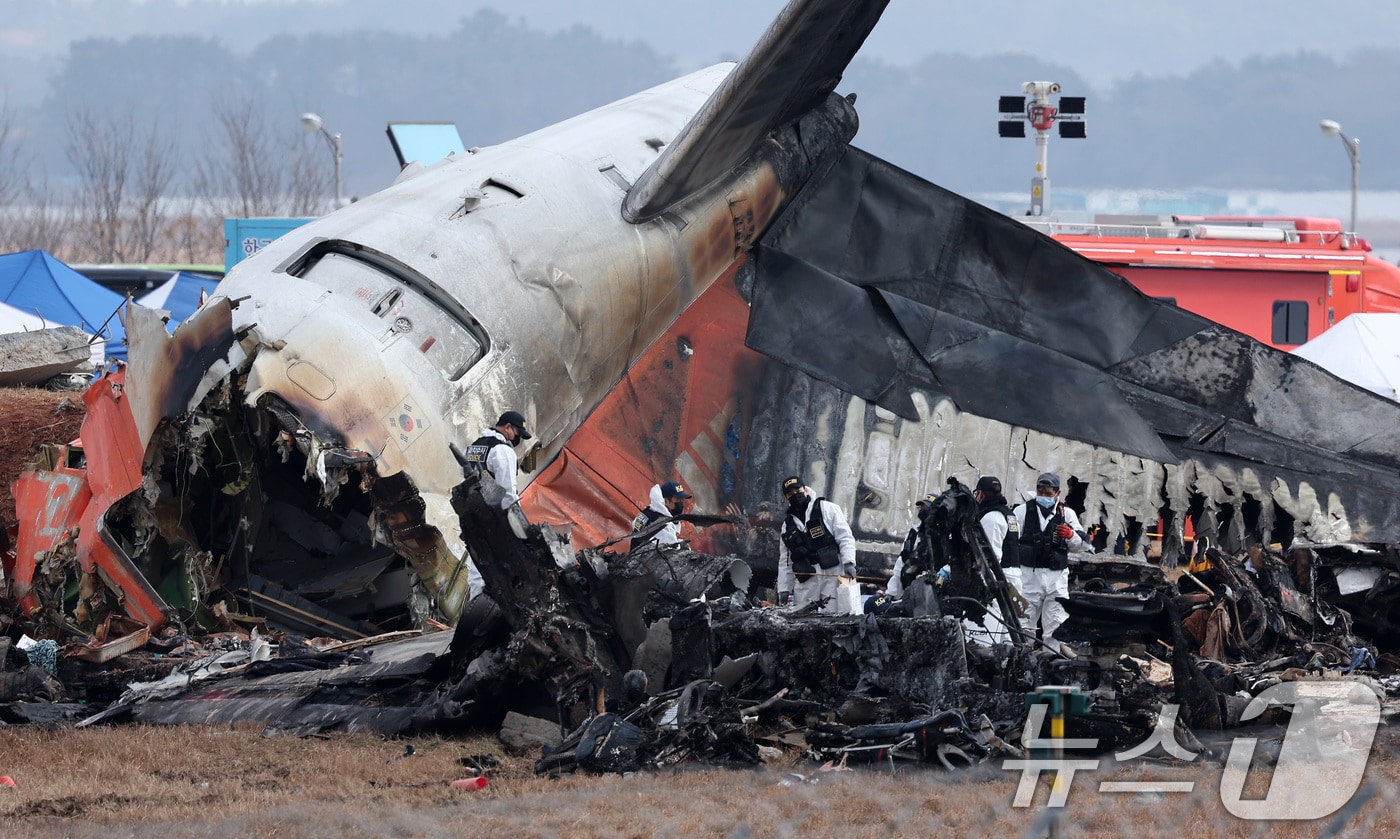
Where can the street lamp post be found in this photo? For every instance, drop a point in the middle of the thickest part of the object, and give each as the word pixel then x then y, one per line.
pixel 1333 129
pixel 312 122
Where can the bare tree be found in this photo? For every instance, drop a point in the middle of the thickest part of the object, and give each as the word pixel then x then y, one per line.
pixel 17 217
pixel 40 218
pixel 239 175
pixel 195 235
pixel 254 169
pixel 100 151
pixel 311 178
pixel 154 172
pixel 10 179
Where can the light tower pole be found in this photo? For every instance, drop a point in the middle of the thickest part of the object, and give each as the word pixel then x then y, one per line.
pixel 1035 107
pixel 1041 115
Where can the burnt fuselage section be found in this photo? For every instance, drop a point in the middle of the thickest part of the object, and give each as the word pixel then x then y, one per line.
pixel 296 432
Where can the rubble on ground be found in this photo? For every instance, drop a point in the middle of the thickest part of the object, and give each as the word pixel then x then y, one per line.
pixel 617 662
pixel 58 354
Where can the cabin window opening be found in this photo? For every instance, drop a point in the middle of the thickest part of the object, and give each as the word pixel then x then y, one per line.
pixel 405 302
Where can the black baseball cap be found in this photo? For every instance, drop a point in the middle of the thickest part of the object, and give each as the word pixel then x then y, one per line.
pixel 989 485
pixel 673 489
pixel 791 483
pixel 516 419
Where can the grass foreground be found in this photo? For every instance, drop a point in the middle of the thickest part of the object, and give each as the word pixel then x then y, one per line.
pixel 139 781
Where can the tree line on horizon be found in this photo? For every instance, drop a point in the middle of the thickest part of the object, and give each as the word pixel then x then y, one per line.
pixel 163 125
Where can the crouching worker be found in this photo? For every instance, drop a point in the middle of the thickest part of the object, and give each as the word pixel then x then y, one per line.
pixel 667 500
pixel 815 550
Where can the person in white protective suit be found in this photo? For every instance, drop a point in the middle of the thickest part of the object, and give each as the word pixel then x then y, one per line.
pixel 1049 531
pixel 816 550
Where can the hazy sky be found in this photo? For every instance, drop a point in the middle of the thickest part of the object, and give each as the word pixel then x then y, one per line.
pixel 1100 39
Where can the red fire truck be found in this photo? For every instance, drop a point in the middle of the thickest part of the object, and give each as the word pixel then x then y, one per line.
pixel 1279 280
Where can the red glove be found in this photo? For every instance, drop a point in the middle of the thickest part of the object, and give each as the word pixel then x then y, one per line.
pixel 1064 531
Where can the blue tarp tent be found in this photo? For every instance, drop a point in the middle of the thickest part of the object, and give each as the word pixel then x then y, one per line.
pixel 179 295
pixel 36 283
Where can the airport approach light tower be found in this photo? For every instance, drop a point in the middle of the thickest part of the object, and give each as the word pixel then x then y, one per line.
pixel 1035 107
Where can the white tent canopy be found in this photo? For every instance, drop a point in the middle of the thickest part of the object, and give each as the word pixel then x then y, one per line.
pixel 1364 349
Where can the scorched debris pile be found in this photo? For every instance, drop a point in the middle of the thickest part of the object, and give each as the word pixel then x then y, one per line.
pixel 616 662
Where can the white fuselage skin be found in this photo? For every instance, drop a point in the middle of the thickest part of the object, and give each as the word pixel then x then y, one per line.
pixel 566 293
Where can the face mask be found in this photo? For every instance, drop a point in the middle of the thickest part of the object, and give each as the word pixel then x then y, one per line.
pixel 515 444
pixel 1044 501
pixel 923 514
pixel 798 502
pixel 676 507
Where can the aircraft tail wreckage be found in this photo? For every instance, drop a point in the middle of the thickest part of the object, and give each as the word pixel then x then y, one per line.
pixel 706 280
pixel 883 284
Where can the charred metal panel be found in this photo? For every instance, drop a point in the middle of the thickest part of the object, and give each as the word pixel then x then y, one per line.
pixel 49 504
pixel 683 409
pixel 902 262
pixel 1279 393
pixel 382 693
pixel 993 374
pixel 167 375
pixel 820 658
pixel 876 465
pixel 678 575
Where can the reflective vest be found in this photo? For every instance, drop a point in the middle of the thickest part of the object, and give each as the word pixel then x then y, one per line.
pixel 810 546
pixel 1010 543
pixel 644 518
pixel 1039 548
pixel 477 451
pixel 913 546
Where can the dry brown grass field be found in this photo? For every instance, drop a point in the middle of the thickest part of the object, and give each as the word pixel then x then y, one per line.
pixel 160 782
